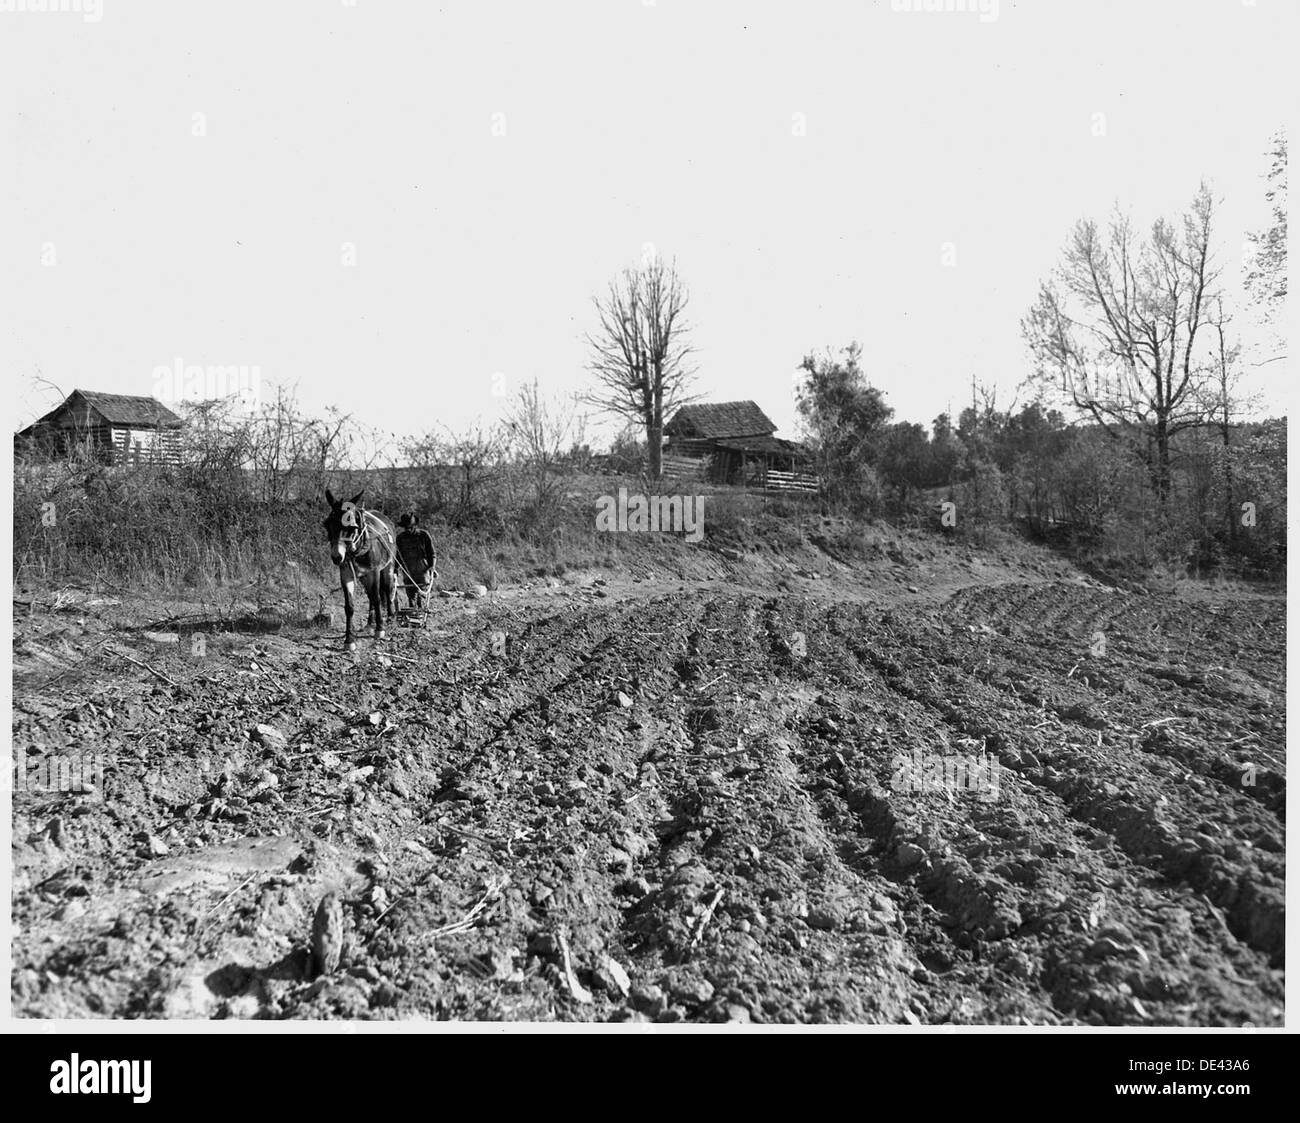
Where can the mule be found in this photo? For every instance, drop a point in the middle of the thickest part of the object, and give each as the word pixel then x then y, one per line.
pixel 363 546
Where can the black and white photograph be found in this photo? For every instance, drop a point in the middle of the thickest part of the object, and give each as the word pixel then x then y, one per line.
pixel 649 516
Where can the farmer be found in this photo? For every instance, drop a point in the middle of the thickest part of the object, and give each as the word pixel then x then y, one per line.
pixel 416 560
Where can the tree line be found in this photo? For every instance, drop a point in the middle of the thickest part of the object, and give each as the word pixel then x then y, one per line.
pixel 1134 442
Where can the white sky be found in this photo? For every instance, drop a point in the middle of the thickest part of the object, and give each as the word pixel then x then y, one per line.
pixel 626 123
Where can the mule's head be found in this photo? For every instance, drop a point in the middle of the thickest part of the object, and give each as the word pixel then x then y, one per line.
pixel 343 524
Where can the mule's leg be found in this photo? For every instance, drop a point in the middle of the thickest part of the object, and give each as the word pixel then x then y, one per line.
pixel 349 589
pixel 386 593
pixel 374 590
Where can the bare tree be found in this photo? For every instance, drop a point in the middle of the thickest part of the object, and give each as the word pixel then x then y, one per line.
pixel 212 439
pixel 456 472
pixel 279 452
pixel 1117 328
pixel 290 452
pixel 1221 389
pixel 543 432
pixel 640 354
pixel 1225 403
pixel 477 455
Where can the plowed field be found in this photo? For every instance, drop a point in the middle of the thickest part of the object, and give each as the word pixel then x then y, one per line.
pixel 712 800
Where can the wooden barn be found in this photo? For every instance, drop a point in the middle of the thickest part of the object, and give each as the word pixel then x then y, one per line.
pixel 114 428
pixel 734 442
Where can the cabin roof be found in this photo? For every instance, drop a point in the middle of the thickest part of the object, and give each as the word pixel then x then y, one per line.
pixel 115 409
pixel 719 420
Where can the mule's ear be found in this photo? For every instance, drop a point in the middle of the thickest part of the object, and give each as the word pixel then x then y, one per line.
pixel 357 498
pixel 329 498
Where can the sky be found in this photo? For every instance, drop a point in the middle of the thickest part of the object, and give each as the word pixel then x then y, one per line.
pixel 404 210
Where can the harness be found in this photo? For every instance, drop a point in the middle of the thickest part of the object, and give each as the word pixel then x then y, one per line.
pixel 361 543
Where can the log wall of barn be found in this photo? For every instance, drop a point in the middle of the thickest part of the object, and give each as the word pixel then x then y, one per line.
pixel 145 446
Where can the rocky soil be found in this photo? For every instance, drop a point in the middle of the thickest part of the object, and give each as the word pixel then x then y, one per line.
pixel 638 797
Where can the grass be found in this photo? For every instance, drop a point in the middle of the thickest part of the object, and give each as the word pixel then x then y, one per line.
pixel 209 537
pixel 156 530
